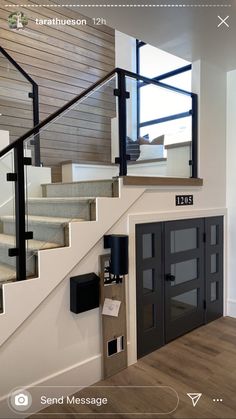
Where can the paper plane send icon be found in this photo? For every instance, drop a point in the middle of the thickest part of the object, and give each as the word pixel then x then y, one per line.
pixel 195 397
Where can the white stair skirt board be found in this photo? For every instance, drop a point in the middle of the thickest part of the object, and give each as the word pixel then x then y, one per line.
pixel 57 263
pixel 83 374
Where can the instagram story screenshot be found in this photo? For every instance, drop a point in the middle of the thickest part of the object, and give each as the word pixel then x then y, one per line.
pixel 117 209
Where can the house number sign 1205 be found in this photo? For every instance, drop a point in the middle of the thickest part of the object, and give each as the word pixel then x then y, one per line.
pixel 183 200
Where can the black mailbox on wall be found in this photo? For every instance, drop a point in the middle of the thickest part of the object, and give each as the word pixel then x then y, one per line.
pixel 84 292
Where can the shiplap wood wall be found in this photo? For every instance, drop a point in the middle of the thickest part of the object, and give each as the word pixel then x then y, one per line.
pixel 63 60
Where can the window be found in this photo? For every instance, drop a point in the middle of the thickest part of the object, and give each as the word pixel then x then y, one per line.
pixel 161 111
pixel 154 62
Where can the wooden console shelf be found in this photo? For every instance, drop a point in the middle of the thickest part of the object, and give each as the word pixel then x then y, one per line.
pixel 161 181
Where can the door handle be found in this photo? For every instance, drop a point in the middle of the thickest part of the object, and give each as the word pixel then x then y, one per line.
pixel 170 277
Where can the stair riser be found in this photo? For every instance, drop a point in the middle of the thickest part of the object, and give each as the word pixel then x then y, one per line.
pixel 65 210
pixel 80 190
pixel 11 261
pixel 42 232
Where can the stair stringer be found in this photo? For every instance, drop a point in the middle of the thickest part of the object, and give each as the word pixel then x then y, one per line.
pixel 22 298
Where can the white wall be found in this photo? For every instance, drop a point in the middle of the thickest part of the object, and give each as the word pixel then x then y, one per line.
pixel 125 51
pixel 212 132
pixel 231 189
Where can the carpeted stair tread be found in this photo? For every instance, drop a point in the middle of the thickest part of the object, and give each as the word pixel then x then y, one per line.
pixel 80 182
pixel 7 240
pixel 39 219
pixel 62 200
pixel 84 188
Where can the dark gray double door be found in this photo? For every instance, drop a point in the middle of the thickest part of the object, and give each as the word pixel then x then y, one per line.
pixel 179 271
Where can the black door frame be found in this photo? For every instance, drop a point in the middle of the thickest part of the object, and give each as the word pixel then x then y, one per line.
pixel 214 309
pixel 153 338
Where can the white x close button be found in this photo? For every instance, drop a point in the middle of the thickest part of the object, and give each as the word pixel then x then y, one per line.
pixel 223 21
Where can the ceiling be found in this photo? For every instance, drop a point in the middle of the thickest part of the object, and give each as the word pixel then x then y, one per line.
pixel 189 32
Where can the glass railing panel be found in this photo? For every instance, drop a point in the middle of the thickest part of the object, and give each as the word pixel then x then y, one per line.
pixel 84 134
pixel 79 145
pixel 158 148
pixel 174 142
pixel 41 217
pixel 16 107
pixel 7 222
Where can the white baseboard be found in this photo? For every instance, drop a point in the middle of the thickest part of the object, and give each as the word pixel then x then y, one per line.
pixel 62 383
pixel 231 308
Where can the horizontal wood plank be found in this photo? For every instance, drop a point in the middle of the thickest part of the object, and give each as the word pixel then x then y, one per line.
pixel 40 49
pixel 20 112
pixel 78 71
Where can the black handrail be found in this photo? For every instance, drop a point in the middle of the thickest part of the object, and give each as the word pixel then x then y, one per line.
pixel 60 111
pixel 147 80
pixel 34 95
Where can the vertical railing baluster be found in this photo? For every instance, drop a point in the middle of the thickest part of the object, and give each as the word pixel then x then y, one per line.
pixel 194 135
pixel 122 115
pixel 34 95
pixel 20 211
pixel 37 158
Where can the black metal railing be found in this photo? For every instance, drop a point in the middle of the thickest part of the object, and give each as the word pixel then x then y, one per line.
pixel 20 160
pixel 34 95
pixel 191 112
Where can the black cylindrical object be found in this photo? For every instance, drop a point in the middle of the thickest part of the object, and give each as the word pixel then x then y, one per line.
pixel 119 254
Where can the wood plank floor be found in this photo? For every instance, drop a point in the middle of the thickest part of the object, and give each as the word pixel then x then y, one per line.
pixel 202 361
